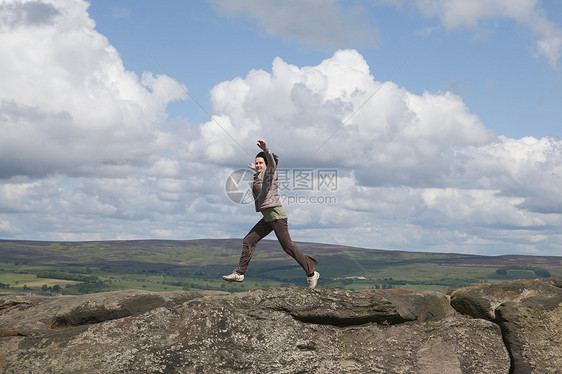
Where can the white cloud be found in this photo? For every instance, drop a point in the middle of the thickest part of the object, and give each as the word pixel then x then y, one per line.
pixel 459 13
pixel 423 169
pixel 305 21
pixel 473 14
pixel 67 103
pixel 31 13
pixel 392 137
pixel 323 23
pixel 120 12
pixel 529 168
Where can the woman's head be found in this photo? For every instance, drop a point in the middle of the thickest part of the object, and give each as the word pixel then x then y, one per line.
pixel 261 161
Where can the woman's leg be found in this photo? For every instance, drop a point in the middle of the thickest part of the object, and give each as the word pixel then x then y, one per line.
pixel 257 233
pixel 282 232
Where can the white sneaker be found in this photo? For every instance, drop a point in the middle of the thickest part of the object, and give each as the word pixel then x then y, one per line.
pixel 313 281
pixel 234 277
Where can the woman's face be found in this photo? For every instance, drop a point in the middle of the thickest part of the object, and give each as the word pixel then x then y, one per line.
pixel 260 164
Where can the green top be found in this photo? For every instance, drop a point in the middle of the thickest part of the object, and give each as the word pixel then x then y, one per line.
pixel 275 213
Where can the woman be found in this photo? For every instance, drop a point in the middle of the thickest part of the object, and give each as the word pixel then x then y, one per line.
pixel 266 199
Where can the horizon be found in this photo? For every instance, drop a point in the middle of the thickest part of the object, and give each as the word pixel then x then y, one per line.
pixel 271 241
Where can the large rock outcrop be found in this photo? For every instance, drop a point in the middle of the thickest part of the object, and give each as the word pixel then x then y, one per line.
pixel 286 330
pixel 529 313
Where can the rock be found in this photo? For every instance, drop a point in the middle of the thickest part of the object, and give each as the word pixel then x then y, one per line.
pixel 529 313
pixel 346 308
pixel 36 312
pixel 286 330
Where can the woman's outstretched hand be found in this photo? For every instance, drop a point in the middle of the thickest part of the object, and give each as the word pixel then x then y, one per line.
pixel 262 145
pixel 252 166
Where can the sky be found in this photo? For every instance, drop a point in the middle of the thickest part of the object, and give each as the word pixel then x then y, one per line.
pixel 417 125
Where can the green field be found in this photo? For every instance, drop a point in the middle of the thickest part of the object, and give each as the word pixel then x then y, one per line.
pixel 160 265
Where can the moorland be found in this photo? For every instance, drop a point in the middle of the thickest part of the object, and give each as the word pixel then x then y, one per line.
pixel 169 265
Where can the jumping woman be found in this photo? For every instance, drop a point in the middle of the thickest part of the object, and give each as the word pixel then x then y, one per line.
pixel 266 199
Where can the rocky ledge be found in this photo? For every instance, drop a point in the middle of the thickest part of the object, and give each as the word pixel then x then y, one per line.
pixel 512 327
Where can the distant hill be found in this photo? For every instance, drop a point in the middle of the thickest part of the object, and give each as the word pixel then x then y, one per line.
pixel 161 265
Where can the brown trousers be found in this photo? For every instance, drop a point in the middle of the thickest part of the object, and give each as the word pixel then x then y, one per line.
pixel 260 231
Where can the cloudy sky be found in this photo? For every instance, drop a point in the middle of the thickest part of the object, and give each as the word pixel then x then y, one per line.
pixel 422 125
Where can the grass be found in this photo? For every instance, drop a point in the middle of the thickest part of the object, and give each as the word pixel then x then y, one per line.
pixel 157 265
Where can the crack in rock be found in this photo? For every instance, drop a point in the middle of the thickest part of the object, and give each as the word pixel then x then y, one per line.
pixel 529 315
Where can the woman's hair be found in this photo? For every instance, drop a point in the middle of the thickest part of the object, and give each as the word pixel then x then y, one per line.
pixel 262 155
